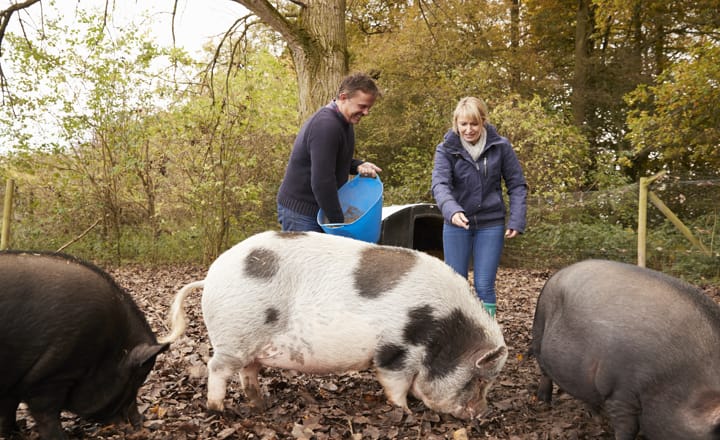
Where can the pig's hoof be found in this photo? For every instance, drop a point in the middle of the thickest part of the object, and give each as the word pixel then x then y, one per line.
pixel 216 406
pixel 543 397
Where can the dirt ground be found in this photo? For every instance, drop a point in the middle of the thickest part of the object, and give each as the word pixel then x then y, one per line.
pixel 350 406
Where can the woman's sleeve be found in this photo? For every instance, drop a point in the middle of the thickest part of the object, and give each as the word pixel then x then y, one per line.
pixel 517 189
pixel 442 184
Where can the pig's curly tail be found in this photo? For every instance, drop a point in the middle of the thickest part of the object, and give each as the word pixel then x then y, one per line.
pixel 177 318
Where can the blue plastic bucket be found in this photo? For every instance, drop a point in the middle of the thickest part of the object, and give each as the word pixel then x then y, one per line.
pixel 361 201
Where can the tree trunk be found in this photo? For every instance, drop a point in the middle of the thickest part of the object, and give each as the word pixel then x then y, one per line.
pixel 321 58
pixel 515 41
pixel 583 32
pixel 318 45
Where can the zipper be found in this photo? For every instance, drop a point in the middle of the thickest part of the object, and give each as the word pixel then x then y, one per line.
pixel 485 165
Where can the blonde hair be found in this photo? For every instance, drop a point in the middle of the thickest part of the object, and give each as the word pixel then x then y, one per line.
pixel 472 108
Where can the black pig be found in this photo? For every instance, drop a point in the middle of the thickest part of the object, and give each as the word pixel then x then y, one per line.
pixel 640 344
pixel 70 339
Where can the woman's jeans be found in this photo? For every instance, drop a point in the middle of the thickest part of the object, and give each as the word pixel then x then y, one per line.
pixel 485 246
pixel 293 221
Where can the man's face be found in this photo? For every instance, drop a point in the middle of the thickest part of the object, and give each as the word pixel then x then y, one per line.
pixel 355 107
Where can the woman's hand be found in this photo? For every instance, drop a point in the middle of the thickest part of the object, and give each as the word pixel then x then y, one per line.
pixel 458 219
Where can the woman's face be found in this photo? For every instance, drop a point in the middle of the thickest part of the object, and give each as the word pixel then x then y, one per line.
pixel 469 129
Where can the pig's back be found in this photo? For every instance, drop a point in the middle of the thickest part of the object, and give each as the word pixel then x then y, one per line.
pixel 631 313
pixel 354 275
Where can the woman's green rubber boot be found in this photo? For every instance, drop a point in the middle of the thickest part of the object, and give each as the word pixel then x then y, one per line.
pixel 491 308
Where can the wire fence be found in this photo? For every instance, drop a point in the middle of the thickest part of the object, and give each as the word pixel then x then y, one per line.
pixel 604 224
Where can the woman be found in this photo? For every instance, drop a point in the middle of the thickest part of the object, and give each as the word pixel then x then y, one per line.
pixel 470 165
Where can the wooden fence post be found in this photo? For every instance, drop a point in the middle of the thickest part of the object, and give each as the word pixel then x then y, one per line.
pixel 7 214
pixel 643 197
pixel 642 216
pixel 642 222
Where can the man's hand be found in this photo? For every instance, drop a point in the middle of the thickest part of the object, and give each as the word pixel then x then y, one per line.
pixel 368 169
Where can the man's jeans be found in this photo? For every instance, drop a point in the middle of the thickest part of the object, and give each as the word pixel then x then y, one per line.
pixel 484 246
pixel 293 221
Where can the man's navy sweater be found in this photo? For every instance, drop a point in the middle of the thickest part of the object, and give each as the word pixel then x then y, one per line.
pixel 320 162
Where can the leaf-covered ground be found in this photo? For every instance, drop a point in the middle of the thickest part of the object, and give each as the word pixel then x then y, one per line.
pixel 350 406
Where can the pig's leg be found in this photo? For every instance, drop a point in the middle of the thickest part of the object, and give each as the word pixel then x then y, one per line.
pixel 545 387
pixel 48 424
pixel 8 407
pixel 396 385
pixel 220 369
pixel 251 386
pixel 623 417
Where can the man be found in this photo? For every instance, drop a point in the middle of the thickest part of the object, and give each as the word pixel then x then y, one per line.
pixel 322 158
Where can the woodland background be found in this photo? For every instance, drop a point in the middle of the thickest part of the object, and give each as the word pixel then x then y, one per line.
pixel 126 151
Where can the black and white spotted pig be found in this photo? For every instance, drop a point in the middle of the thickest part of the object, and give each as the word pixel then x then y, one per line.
pixel 70 339
pixel 321 303
pixel 641 344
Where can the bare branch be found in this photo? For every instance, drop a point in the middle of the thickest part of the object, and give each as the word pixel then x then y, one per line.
pixel 6 15
pixel 172 26
pixel 269 15
pixel 84 233
pixel 425 20
pixel 216 55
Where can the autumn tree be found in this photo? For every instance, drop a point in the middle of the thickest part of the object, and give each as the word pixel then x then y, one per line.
pixel 226 156
pixel 674 123
pixel 432 54
pixel 95 96
pixel 313 31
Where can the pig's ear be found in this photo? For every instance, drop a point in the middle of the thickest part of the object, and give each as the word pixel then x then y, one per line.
pixel 143 353
pixel 704 413
pixel 491 362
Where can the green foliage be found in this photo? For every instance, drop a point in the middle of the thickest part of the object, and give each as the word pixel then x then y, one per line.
pixel 96 154
pixel 556 245
pixel 412 172
pixel 555 156
pixel 121 163
pixel 425 67
pixel 232 147
pixel 674 124
pixel 562 233
pixel 670 250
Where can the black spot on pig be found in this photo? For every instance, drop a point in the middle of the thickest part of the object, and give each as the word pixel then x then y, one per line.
pixel 391 357
pixel 262 263
pixel 382 268
pixel 271 315
pixel 447 339
pixel 453 337
pixel 420 327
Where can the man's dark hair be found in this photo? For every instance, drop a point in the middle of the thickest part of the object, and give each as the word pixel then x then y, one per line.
pixel 359 81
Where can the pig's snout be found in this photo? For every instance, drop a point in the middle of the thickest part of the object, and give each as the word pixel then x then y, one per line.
pixel 476 407
pixel 473 410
